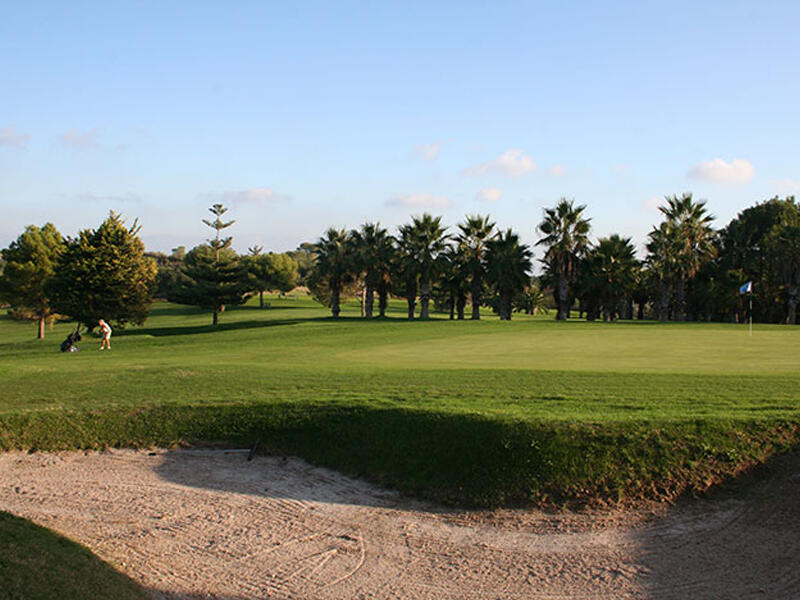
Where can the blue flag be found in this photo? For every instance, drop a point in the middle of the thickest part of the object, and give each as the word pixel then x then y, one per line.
pixel 746 288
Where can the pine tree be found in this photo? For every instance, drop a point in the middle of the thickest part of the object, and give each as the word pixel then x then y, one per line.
pixel 30 262
pixel 270 271
pixel 103 273
pixel 214 275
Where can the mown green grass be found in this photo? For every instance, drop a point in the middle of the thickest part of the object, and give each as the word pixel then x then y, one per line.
pixel 37 564
pixel 484 412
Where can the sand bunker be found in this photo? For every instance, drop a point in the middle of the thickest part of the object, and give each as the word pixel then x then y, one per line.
pixel 209 524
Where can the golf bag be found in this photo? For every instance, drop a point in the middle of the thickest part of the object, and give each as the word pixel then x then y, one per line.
pixel 68 345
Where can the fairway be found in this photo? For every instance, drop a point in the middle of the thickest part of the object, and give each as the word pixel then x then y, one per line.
pixel 410 403
pixel 581 346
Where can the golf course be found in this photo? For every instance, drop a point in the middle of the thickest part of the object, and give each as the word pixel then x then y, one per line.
pixel 470 413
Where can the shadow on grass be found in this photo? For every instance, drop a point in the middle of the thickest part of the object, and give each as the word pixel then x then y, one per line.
pixel 193 329
pixel 458 460
pixel 231 325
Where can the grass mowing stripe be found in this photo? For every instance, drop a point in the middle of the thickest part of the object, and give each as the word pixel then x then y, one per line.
pixel 473 412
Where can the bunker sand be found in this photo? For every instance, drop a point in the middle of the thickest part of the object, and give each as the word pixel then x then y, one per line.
pixel 209 524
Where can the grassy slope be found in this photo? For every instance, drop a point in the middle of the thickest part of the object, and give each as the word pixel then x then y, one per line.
pixel 476 412
pixel 37 564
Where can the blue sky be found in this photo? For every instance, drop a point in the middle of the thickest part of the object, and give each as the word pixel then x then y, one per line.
pixel 300 116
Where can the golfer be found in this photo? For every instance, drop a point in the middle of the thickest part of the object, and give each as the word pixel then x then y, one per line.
pixel 105 331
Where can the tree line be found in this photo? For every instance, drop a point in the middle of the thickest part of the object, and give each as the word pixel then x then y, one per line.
pixel 691 271
pixel 106 273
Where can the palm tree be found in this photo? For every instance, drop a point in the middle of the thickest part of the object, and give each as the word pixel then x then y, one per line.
pixel 566 236
pixel 333 264
pixel 692 225
pixel 475 232
pixel 421 244
pixel 531 300
pixel 405 267
pixel 784 243
pixel 609 275
pixel 452 282
pixel 507 266
pixel 662 265
pixel 372 249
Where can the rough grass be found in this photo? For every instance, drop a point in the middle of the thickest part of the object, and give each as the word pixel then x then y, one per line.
pixel 477 413
pixel 37 564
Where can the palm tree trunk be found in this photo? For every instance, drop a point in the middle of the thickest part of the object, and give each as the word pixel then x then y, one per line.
pixel 791 306
pixel 369 300
pixel 363 302
pixel 41 327
pixel 680 299
pixel 261 298
pixel 215 318
pixel 424 299
pixel 335 309
pixel 411 298
pixel 663 301
pixel 382 298
pixel 412 305
pixel 563 309
pixel 461 302
pixel 476 296
pixel 505 306
pixel 452 306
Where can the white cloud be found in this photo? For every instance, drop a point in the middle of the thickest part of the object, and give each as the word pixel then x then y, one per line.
pixel 652 203
pixel 738 170
pixel 557 170
pixel 252 196
pixel 513 163
pixel 787 187
pixel 428 151
pixel 79 139
pixel 10 137
pixel 129 198
pixel 420 201
pixel 489 195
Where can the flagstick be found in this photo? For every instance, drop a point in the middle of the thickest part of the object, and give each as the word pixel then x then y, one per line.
pixel 751 314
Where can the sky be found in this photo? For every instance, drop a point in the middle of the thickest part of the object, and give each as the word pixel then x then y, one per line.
pixel 299 116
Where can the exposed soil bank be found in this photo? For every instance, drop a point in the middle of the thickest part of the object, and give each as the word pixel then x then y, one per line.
pixel 209 524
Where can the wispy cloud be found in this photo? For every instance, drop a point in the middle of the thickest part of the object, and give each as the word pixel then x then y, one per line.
pixel 91 197
pixel 738 170
pixel 420 201
pixel 260 195
pixel 557 170
pixel 428 151
pixel 489 195
pixel 81 139
pixel 652 203
pixel 10 137
pixel 513 163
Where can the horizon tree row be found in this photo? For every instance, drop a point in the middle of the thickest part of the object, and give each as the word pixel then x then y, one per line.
pixel 422 263
pixel 106 273
pixel 214 276
pixel 691 271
